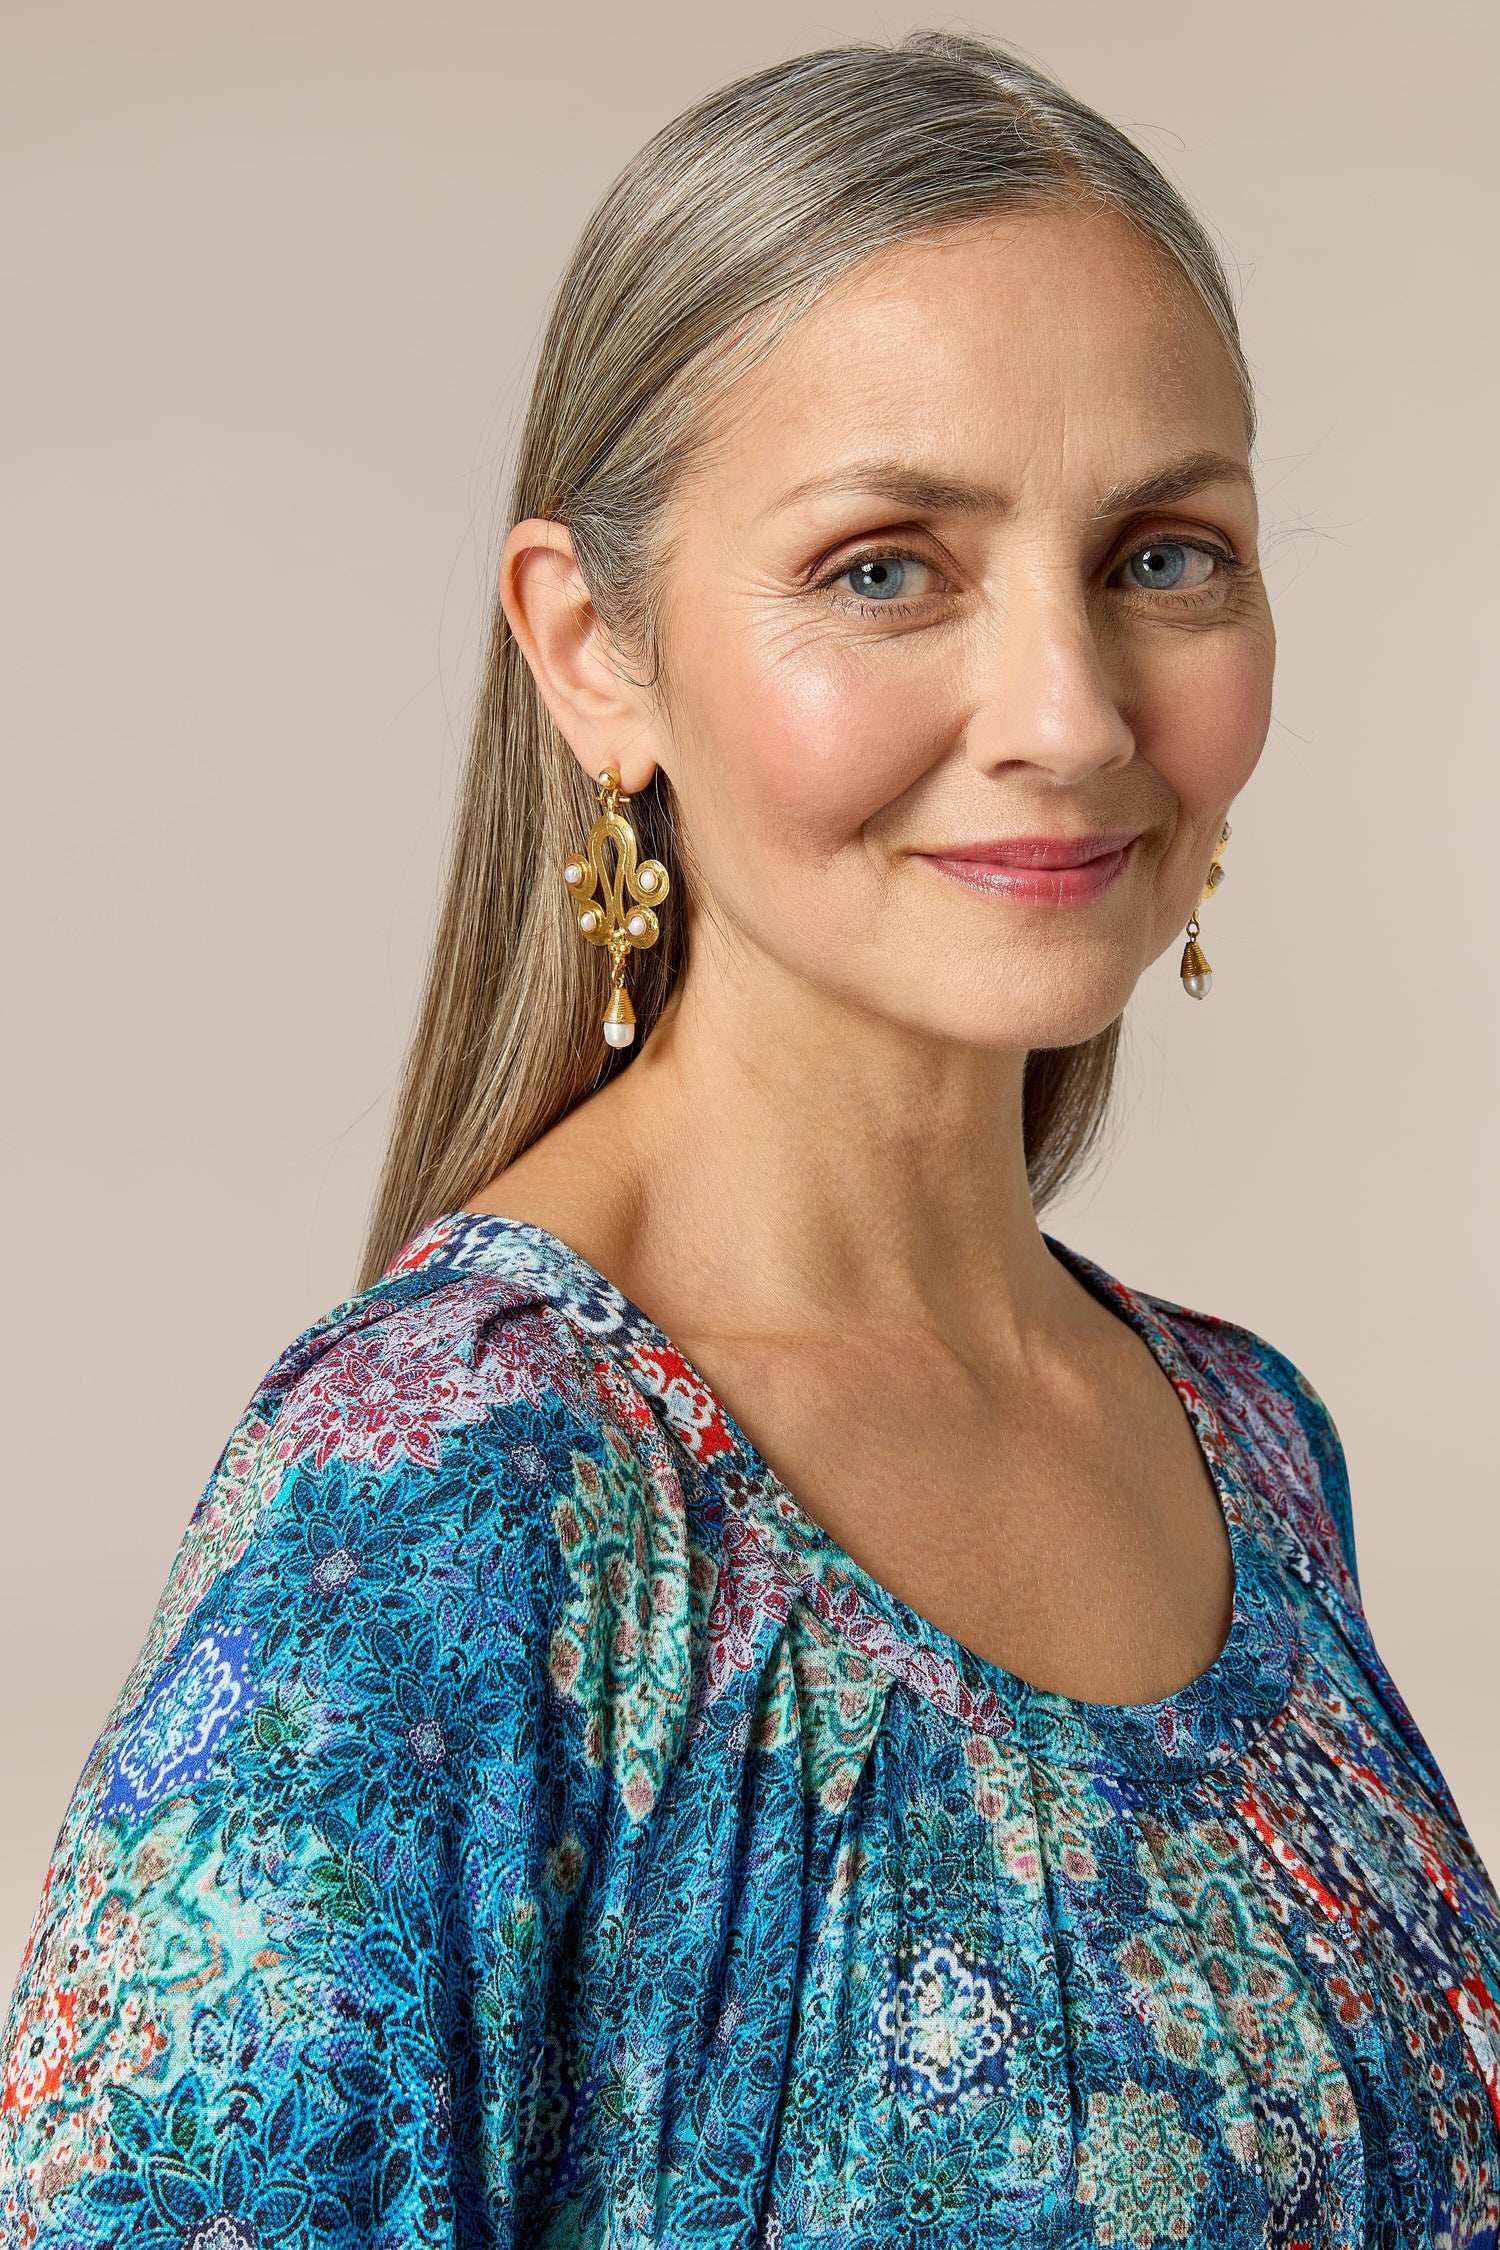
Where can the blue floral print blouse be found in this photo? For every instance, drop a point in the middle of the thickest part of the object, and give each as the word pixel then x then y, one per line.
pixel 525 1825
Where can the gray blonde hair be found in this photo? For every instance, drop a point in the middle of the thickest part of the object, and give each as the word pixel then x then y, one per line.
pixel 712 241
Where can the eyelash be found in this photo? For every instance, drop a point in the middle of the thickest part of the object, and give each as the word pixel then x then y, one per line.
pixel 1229 566
pixel 854 607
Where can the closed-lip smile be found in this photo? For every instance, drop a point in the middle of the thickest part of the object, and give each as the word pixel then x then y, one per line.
pixel 1037 870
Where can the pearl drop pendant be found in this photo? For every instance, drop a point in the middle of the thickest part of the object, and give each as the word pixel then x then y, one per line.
pixel 619 1018
pixel 1197 976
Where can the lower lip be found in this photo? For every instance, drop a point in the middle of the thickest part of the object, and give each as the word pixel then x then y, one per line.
pixel 1035 886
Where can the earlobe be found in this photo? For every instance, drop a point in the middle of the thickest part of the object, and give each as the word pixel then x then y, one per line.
pixel 551 612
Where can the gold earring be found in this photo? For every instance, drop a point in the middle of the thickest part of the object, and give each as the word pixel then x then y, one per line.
pixel 1196 975
pixel 604 917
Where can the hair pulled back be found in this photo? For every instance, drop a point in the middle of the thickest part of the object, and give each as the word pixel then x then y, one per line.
pixel 728 224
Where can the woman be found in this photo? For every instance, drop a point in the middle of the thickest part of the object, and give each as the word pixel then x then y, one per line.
pixel 739 1692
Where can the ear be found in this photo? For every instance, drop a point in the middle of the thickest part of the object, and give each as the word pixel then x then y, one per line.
pixel 602 715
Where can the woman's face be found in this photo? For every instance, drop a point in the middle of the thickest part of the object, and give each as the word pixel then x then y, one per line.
pixel 965 649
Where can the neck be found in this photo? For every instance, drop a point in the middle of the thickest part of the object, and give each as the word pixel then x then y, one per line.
pixel 778 1159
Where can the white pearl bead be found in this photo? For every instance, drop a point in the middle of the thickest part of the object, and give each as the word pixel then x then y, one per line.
pixel 1198 986
pixel 588 920
pixel 648 878
pixel 618 1034
pixel 636 925
pixel 572 873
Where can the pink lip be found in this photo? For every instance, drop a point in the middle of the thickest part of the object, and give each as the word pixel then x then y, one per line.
pixel 1042 870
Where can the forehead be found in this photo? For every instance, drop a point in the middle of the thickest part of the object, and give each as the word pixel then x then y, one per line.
pixel 1056 341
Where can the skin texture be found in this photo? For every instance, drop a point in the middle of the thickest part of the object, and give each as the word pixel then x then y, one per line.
pixel 812 1173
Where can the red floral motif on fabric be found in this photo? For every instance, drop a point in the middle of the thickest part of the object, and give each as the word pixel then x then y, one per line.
pixel 692 1414
pixel 391 1392
pixel 40 2052
pixel 418 1252
pixel 619 1398
pixel 751 1597
pixel 1260 1818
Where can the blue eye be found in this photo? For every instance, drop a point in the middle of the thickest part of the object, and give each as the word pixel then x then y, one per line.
pixel 1167 566
pixel 879 579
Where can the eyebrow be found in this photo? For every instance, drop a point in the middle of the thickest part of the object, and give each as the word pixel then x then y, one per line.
pixel 1178 480
pixel 906 488
pixel 946 496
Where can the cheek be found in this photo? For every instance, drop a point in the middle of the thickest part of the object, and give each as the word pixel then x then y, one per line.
pixel 802 745
pixel 1203 723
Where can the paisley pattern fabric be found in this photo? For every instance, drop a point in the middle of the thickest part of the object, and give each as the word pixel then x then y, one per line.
pixel 524 1825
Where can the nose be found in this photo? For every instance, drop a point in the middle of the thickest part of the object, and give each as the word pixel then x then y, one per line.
pixel 1042 694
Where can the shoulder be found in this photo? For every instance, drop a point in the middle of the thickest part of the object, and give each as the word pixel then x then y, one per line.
pixel 409 1414
pixel 343 1773
pixel 1283 1418
pixel 367 1595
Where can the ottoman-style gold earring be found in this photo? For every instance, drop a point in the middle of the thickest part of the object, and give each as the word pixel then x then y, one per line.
pixel 1197 977
pixel 604 916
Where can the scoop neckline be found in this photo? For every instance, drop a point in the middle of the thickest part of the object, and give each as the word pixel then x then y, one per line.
pixel 1209 1721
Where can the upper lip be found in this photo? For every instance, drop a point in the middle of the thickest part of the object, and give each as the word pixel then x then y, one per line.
pixel 1039 851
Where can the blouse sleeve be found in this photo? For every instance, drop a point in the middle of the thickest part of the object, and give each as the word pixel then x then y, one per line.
pixel 288 1980
pixel 1315 1427
pixel 1282 1416
pixel 1328 1452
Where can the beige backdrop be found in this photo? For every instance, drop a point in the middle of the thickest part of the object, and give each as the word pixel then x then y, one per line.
pixel 272 277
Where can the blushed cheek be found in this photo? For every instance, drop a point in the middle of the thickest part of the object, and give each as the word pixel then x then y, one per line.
pixel 1204 732
pixel 813 746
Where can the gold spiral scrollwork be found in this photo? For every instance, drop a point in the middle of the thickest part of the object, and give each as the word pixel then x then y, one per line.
pixel 616 902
